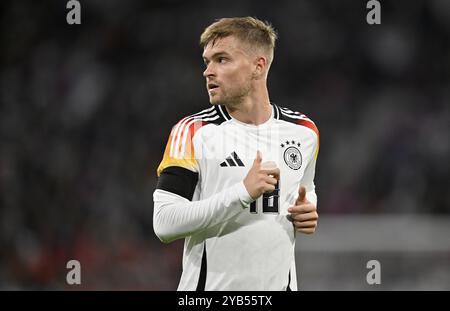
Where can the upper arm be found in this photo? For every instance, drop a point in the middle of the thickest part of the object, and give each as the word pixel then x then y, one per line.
pixel 178 170
pixel 309 174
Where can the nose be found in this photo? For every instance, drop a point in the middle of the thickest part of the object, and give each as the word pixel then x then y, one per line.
pixel 209 72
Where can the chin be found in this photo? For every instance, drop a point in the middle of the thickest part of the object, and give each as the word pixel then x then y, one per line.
pixel 214 101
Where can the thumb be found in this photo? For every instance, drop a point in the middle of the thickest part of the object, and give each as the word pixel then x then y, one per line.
pixel 258 158
pixel 301 195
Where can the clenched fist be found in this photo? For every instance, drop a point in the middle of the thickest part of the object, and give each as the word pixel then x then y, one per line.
pixel 261 178
pixel 304 213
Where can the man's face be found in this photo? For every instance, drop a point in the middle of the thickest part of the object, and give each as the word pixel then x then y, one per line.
pixel 228 71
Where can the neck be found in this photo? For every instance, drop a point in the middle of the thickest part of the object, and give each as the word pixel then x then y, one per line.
pixel 254 109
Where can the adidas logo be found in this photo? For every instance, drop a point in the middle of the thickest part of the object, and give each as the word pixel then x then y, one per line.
pixel 232 160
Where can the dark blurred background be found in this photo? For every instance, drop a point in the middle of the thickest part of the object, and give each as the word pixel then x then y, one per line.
pixel 86 110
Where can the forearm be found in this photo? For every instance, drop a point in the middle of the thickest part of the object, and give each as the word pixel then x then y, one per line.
pixel 175 217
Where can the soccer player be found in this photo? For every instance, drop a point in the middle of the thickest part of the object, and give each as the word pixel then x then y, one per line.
pixel 237 179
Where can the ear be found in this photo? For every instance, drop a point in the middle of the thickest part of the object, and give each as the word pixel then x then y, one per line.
pixel 260 67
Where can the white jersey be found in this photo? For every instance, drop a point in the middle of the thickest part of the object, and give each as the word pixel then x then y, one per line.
pixel 232 242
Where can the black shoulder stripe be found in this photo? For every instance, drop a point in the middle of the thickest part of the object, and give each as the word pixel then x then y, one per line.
pixel 289 111
pixel 223 114
pixel 206 115
pixel 288 117
pixel 291 116
pixel 178 180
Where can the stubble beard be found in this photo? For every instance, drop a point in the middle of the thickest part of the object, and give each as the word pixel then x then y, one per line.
pixel 233 101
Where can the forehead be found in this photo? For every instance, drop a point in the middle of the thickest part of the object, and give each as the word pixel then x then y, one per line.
pixel 230 45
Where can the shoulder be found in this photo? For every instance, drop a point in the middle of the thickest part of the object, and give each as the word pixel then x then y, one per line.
pixel 214 115
pixel 295 117
pixel 189 125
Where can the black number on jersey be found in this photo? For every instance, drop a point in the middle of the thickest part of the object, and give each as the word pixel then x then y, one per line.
pixel 270 202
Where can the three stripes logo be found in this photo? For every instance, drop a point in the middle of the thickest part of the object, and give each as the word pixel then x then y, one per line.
pixel 232 160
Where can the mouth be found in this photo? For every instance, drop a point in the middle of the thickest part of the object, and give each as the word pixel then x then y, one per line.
pixel 212 86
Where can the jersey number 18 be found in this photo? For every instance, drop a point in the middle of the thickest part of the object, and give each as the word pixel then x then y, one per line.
pixel 270 202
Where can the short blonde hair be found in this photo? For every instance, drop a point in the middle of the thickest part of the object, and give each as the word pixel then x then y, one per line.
pixel 248 29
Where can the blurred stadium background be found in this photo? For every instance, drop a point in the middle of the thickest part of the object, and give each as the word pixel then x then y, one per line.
pixel 85 112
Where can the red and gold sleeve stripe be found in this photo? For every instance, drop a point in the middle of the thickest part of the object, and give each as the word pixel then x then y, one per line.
pixel 311 125
pixel 180 149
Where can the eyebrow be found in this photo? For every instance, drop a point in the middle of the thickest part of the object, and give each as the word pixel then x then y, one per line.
pixel 215 55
